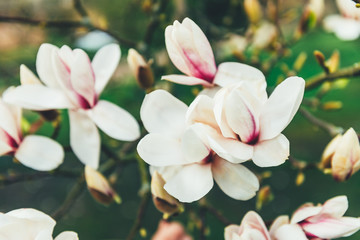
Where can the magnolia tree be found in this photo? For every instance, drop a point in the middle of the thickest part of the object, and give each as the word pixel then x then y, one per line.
pixel 225 126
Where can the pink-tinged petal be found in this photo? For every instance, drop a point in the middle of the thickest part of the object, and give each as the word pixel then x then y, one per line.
pixel 346 29
pixel 115 121
pixel 67 55
pixel 230 149
pixel 40 153
pixel 219 113
pixel 235 180
pixel 242 117
pixel 10 121
pixel 193 148
pixel 5 147
pixel 44 66
pixel 67 235
pixel 254 227
pixel 37 97
pixel 186 80
pixel 84 138
pixel 277 223
pixel 201 111
pixel 290 232
pixel 161 150
pixel 332 208
pixel 330 228
pixel 273 152
pixel 230 231
pixel 230 73
pixel 281 107
pixel 191 182
pixel 104 64
pixel 161 112
pixel 27 76
pixel 83 76
pixel 305 211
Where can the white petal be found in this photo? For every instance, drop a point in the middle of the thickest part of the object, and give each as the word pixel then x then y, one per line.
pixel 44 66
pixel 163 113
pixel 230 231
pixel 277 223
pixel 334 207
pixel 40 153
pixel 186 80
pixel 27 76
pixel 304 212
pixel 273 152
pixel 253 226
pixel 201 110
pixel 9 120
pixel 82 76
pixel 84 138
pixel 191 183
pixel 333 228
pixel 281 107
pixel 346 29
pixel 115 121
pixel 161 150
pixel 230 73
pixel 290 232
pixel 193 147
pixel 67 235
pixel 37 97
pixel 235 180
pixel 104 64
pixel 210 92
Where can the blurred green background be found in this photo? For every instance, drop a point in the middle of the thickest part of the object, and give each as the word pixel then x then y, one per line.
pixel 129 19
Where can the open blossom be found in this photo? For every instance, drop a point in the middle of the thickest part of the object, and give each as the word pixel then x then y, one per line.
pixel 252 227
pixel 342 155
pixel 170 231
pixel 248 124
pixel 70 80
pixel 30 224
pixel 37 152
pixel 181 154
pixel 325 221
pixel 347 25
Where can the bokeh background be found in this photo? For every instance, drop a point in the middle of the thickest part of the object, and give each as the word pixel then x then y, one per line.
pixel 130 20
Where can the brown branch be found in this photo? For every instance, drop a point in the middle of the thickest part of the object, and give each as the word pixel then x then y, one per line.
pixel 316 81
pixel 79 7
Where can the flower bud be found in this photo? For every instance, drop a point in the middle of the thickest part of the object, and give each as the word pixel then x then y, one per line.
pixel 163 201
pixel 99 187
pixel 342 155
pixel 141 69
pixel 253 10
pixel 264 196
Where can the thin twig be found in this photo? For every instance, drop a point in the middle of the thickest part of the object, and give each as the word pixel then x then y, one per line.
pixel 328 127
pixel 79 7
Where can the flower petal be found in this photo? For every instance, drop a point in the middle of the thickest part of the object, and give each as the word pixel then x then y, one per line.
pixel 27 76
pixel 330 228
pixel 10 120
pixel 163 113
pixel 346 29
pixel 115 121
pixel 104 64
pixel 40 153
pixel 186 80
pixel 234 179
pixel 191 182
pixel 253 221
pixel 290 232
pixel 161 150
pixel 332 208
pixel 277 223
pixel 230 231
pixel 304 212
pixel 84 138
pixel 281 107
pixel 67 235
pixel 44 66
pixel 37 97
pixel 82 76
pixel 193 147
pixel 201 110
pixel 273 152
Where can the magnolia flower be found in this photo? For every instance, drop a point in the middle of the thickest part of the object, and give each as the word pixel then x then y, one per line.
pixel 182 155
pixel 30 224
pixel 248 124
pixel 37 152
pixel 70 80
pixel 170 231
pixel 191 53
pixel 323 222
pixel 347 25
pixel 252 227
pixel 342 154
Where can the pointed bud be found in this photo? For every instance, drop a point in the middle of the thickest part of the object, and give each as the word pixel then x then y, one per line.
pixel 99 187
pixel 343 155
pixel 320 58
pixel 163 201
pixel 141 69
pixel 300 179
pixel 253 10
pixel 333 61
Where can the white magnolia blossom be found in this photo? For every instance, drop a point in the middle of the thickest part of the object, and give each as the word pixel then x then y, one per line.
pixel 36 152
pixel 325 221
pixel 181 153
pixel 347 25
pixel 70 80
pixel 30 224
